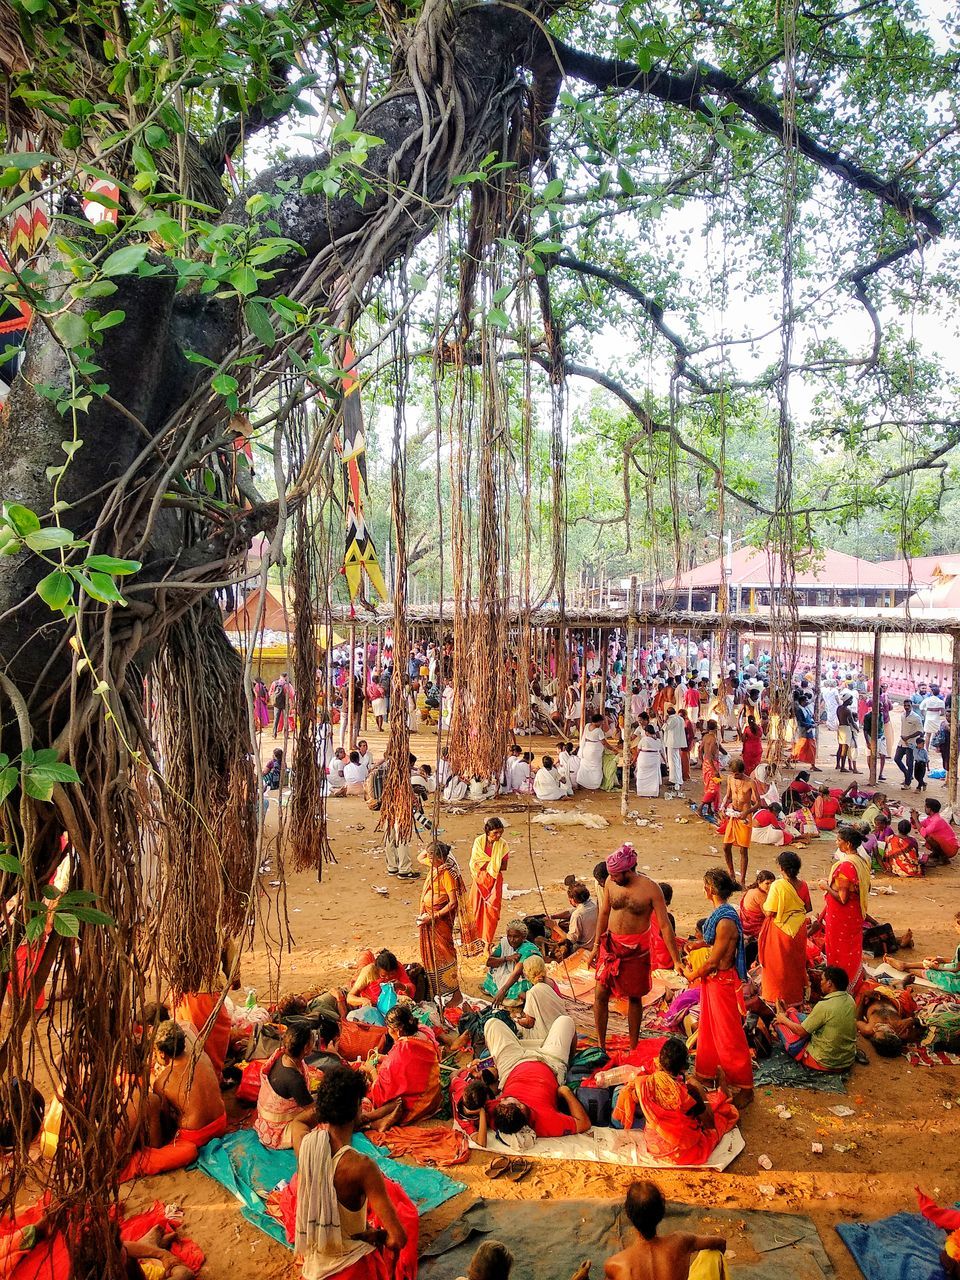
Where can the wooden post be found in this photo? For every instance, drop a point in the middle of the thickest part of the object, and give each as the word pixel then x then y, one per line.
pixel 954 713
pixel 351 670
pixel 817 680
pixel 583 686
pixel 602 654
pixel 627 666
pixel 366 700
pixel 875 707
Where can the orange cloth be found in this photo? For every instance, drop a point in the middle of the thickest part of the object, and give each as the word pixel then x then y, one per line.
pixel 486 903
pixel 721 1039
pixel 441 1146
pixel 784 963
pixel 196 1008
pixel 671 1132
pixel 183 1150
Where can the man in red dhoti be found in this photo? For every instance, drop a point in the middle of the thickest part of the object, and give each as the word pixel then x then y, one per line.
pixel 621 952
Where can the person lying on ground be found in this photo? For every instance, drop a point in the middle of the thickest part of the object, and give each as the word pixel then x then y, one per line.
pixel 940 970
pixel 532 1083
pixel 471 1092
pixel 676 1256
pixel 504 979
pixel 888 1018
pixel 406 1087
pixel 336 1186
pixel 492 1261
pixel 542 1005
pixel 285 1110
pixel 826 1039
pixel 683 1123
pixel 152 1257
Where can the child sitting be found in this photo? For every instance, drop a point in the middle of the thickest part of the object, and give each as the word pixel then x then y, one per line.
pixel 901 855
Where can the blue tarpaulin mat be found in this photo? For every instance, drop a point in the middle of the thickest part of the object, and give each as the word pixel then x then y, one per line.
pixel 242 1164
pixel 781 1071
pixel 904 1247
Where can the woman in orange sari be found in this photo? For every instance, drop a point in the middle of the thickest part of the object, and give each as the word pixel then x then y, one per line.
pixel 847 893
pixel 438 910
pixel 488 861
pixel 682 1125
pixel 782 948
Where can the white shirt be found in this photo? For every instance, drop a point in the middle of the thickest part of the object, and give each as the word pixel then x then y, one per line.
pixel 674 734
pixel 336 772
pixel 355 773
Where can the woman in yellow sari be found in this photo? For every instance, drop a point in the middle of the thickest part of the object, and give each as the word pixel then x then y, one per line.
pixel 443 901
pixel 782 945
pixel 488 861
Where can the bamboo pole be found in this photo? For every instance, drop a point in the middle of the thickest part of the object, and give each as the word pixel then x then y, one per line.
pixel 817 680
pixel 351 668
pixel 631 633
pixel 954 714
pixel 875 707
pixel 366 700
pixel 583 687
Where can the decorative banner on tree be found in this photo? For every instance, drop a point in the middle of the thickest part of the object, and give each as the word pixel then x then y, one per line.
pixel 360 553
pixel 101 210
pixel 27 231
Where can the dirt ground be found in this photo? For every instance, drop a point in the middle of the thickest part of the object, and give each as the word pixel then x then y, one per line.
pixel 906 1130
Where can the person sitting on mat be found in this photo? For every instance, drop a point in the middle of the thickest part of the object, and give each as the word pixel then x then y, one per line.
pixel 826 1039
pixel 676 1256
pixel 492 1261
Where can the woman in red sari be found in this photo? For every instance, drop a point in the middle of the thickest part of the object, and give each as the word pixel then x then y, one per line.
pixel 751 912
pixel 488 861
pixel 752 752
pixel 783 939
pixel 846 906
pixel 721 1039
pixel 410 1073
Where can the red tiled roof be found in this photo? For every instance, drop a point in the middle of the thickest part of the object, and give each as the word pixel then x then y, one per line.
pixel 753 568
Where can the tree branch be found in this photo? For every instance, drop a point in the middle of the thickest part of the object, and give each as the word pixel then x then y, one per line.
pixel 688 91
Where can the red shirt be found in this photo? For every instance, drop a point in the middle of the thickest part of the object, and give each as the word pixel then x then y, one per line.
pixel 535 1085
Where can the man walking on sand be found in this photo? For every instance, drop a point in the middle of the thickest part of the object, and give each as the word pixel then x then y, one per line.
pixel 621 951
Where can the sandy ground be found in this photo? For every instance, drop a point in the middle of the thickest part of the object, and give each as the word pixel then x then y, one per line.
pixel 906 1130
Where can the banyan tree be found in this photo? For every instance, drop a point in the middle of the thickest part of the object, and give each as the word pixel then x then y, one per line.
pixel 247 205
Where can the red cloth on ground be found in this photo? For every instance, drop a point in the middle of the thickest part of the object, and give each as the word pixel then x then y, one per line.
pixel 196 1008
pixel 186 1251
pixel 183 1150
pixel 411 1071
pixel 534 1084
pixel 721 1039
pixel 439 1146
pixel 945 1219
pixel 623 964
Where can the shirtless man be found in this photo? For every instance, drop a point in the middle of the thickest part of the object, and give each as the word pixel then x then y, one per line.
pixel 740 801
pixel 653 1257
pixel 185 1095
pixel 620 950
pixel 357 1182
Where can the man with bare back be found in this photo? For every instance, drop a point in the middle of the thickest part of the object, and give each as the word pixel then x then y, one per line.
pixel 740 801
pixel 621 951
pixel 677 1256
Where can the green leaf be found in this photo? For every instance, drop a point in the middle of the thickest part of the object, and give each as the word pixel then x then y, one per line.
pixel 35 928
pixel 626 181
pixel 243 279
pixel 38 788
pixel 23 519
pixel 50 892
pixel 123 262
pixel 156 136
pixel 24 160
pixel 58 771
pixel 10 863
pixel 90 915
pixel 47 539
pixel 224 384
pixel 98 586
pixel 56 590
pixel 109 320
pixel 66 924
pixel 499 318
pixel 72 137
pixel 258 319
pixel 548 246
pixel 209 481
pixel 8 780
pixel 110 564
pixel 71 329
pixel 552 190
